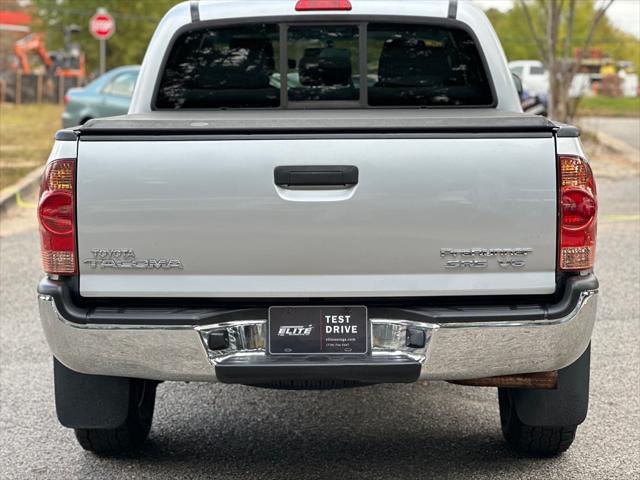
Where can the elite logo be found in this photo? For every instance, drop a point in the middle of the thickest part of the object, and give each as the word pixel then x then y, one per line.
pixel 295 331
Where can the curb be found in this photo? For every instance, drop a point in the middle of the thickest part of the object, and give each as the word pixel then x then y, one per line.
pixel 615 144
pixel 619 145
pixel 12 195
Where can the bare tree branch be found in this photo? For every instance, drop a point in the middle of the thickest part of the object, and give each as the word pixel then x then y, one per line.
pixel 556 51
pixel 561 7
pixel 596 21
pixel 554 28
pixel 573 105
pixel 568 39
pixel 555 78
pixel 559 13
pixel 544 6
pixel 540 46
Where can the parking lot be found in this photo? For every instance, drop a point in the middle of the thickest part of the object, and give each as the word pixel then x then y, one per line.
pixel 420 430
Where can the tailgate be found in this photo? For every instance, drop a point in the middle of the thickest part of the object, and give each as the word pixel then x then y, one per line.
pixel 185 217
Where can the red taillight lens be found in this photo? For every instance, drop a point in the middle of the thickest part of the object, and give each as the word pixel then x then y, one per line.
pixel 578 214
pixel 56 216
pixel 56 212
pixel 67 98
pixel 578 209
pixel 305 5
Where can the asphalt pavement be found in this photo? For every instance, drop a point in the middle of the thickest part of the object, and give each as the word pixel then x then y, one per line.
pixel 421 430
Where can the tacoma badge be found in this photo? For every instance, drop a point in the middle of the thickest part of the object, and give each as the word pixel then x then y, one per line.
pixel 125 258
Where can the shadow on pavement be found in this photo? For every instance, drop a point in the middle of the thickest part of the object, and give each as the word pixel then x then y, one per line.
pixel 380 431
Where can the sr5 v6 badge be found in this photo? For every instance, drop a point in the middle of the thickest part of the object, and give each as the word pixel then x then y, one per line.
pixel 125 258
pixel 473 258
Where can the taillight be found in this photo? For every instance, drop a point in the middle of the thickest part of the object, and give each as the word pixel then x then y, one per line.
pixel 578 214
pixel 67 99
pixel 304 5
pixel 56 216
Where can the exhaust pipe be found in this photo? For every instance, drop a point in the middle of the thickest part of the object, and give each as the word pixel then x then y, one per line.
pixel 540 380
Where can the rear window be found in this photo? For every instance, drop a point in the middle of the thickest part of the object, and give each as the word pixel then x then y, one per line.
pixel 229 67
pixel 323 63
pixel 245 66
pixel 411 65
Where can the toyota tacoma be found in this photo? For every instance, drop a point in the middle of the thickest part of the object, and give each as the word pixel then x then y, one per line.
pixel 320 194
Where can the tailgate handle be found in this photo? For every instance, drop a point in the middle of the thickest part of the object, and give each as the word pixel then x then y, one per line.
pixel 316 176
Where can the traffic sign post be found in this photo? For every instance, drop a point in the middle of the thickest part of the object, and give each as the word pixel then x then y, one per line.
pixel 102 26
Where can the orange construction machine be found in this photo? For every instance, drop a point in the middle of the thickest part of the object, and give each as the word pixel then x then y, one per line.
pixel 68 63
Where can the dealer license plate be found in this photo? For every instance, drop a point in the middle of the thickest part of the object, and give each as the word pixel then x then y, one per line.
pixel 312 329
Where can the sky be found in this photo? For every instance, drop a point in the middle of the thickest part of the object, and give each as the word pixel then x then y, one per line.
pixel 624 14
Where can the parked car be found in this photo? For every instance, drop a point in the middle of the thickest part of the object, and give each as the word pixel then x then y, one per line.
pixel 326 233
pixel 534 76
pixel 534 104
pixel 107 96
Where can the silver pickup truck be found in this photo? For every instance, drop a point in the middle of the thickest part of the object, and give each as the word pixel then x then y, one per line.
pixel 320 194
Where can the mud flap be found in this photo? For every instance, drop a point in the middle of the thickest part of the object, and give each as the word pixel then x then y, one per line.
pixel 565 405
pixel 90 401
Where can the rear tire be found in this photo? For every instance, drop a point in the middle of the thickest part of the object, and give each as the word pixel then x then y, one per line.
pixel 129 436
pixel 544 422
pixel 534 440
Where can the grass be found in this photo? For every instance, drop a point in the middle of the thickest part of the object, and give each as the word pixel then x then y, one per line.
pixel 26 138
pixel 609 107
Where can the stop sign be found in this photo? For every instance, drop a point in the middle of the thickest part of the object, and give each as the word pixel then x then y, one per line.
pixel 102 26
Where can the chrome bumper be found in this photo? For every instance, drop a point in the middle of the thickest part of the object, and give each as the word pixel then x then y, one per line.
pixel 453 351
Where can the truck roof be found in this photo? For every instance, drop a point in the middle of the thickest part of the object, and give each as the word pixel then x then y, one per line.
pixel 216 9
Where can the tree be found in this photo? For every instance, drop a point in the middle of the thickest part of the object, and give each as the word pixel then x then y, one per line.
pixel 135 23
pixel 556 51
pixel 518 44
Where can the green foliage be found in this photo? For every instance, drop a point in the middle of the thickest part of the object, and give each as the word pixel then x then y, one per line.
pixel 137 19
pixel 609 107
pixel 518 44
pixel 135 23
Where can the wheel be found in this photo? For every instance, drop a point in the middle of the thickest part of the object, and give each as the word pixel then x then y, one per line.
pixel 544 422
pixel 535 440
pixel 129 436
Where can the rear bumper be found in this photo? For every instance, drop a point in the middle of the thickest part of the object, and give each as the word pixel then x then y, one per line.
pixel 461 343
